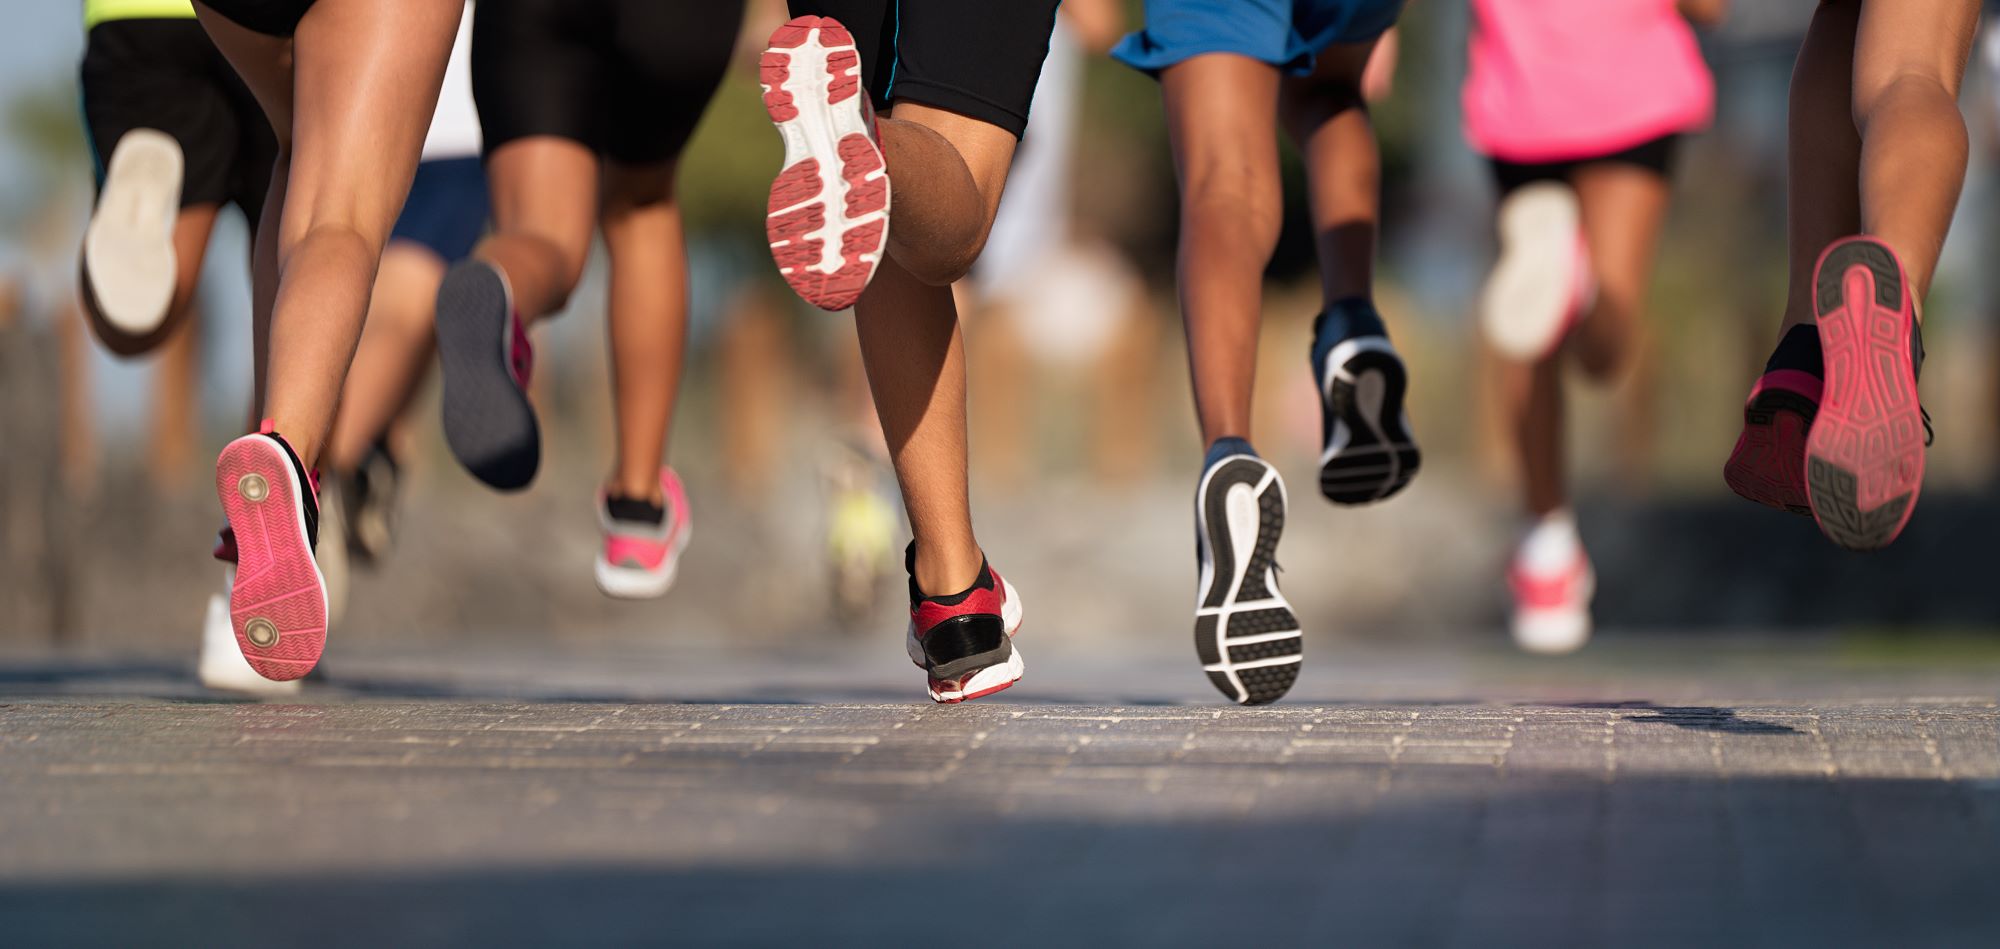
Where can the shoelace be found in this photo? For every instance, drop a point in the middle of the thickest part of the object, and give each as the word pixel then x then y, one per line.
pixel 1930 434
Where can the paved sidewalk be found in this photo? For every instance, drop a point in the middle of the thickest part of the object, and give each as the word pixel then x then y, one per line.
pixel 1865 813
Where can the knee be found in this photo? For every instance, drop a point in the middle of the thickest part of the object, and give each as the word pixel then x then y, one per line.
pixel 1227 201
pixel 1901 91
pixel 946 267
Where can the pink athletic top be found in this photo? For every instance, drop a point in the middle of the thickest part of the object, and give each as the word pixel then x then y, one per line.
pixel 1556 80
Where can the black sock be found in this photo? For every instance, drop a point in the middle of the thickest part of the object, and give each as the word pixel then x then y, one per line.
pixel 1799 349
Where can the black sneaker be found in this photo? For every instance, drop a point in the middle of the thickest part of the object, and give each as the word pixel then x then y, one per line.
pixel 368 499
pixel 486 361
pixel 1369 451
pixel 1244 630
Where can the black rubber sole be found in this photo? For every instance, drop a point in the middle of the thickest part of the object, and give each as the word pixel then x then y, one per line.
pixel 1213 630
pixel 488 421
pixel 1380 457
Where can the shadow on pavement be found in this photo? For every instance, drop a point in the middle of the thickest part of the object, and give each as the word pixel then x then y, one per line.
pixel 1555 861
pixel 1706 718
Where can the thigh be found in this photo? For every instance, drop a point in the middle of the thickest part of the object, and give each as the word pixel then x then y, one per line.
pixel 986 149
pixel 539 69
pixel 1927 38
pixel 546 187
pixel 978 59
pixel 155 74
pixel 1624 206
pixel 1222 116
pixel 262 61
pixel 365 71
pixel 665 62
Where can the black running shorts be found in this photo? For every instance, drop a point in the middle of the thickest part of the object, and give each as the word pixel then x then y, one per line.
pixel 627 79
pixel 1654 155
pixel 166 75
pixel 978 58
pixel 269 17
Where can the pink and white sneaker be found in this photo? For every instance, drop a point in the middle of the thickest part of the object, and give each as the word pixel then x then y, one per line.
pixel 1542 283
pixel 277 598
pixel 642 541
pixel 1865 456
pixel 828 218
pixel 1552 584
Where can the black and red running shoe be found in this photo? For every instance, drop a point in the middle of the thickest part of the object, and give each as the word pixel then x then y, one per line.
pixel 965 642
pixel 1865 456
pixel 828 216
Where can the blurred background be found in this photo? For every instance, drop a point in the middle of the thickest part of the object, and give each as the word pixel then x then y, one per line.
pixel 1084 448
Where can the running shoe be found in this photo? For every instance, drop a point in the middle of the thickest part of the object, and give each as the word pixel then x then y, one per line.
pixel 128 250
pixel 642 541
pixel 828 217
pixel 368 497
pixel 486 360
pixel 1244 631
pixel 277 598
pixel 1865 456
pixel 1369 452
pixel 1551 597
pixel 965 642
pixel 1542 283
pixel 220 664
pixel 1768 465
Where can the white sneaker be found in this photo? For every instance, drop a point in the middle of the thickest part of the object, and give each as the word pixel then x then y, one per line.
pixel 128 250
pixel 1542 282
pixel 222 665
pixel 1553 583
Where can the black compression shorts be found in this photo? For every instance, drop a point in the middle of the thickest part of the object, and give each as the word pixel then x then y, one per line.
pixel 269 17
pixel 166 75
pixel 978 58
pixel 627 79
pixel 1654 155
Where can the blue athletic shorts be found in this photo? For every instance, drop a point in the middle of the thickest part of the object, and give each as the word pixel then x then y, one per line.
pixel 1285 33
pixel 447 208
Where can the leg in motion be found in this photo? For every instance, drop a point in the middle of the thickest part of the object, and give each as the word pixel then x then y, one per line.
pixel 346 76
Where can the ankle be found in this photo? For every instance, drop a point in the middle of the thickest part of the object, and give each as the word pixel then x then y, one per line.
pixel 647 489
pixel 944 569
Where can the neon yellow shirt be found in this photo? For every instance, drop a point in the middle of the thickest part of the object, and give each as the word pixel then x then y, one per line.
pixel 98 11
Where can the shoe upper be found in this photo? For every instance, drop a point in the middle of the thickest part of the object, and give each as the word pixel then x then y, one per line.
pixel 1566 588
pixel 955 627
pixel 520 352
pixel 641 534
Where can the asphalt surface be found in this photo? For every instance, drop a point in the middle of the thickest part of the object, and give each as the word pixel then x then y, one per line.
pixel 1673 794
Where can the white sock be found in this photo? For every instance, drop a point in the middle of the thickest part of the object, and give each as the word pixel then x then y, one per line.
pixel 1551 543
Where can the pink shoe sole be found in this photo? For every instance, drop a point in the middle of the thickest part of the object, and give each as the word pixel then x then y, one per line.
pixel 1865 456
pixel 277 606
pixel 828 215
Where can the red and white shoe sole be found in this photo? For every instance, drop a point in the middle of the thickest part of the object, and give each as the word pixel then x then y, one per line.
pixel 993 678
pixel 828 217
pixel 1865 456
pixel 277 602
